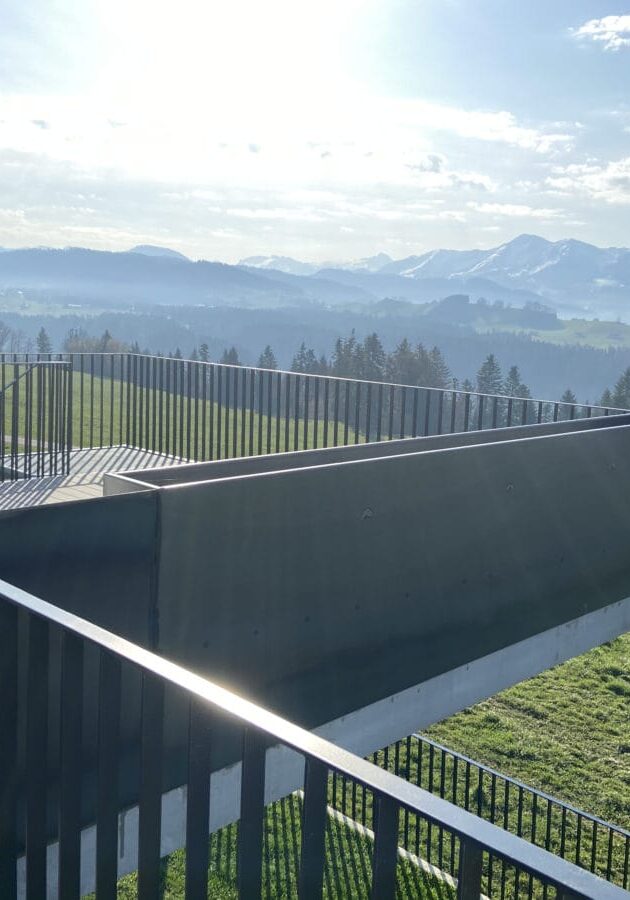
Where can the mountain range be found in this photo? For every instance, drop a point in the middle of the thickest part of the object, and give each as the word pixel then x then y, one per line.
pixel 571 277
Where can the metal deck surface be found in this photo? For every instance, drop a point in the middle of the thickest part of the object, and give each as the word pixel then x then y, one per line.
pixel 84 480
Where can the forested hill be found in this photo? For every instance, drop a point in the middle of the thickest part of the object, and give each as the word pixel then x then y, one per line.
pixel 547 368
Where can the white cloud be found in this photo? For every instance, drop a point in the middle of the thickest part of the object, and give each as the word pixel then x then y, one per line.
pixel 612 31
pixel 516 210
pixel 609 182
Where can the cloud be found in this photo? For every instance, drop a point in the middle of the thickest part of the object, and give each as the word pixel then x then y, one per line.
pixel 496 126
pixel 432 162
pixel 516 210
pixel 609 182
pixel 611 31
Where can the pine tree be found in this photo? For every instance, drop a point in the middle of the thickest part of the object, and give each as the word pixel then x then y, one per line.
pixel 489 378
pixel 230 357
pixel 374 358
pixel 305 361
pixel 176 355
pixel 194 356
pixel 569 396
pixel 44 344
pixel 267 359
pixel 440 372
pixel 402 364
pixel 344 358
pixel 607 398
pixel 106 340
pixel 514 387
pixel 204 352
pixel 621 391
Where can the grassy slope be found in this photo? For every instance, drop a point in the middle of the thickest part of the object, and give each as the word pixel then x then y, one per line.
pixel 567 731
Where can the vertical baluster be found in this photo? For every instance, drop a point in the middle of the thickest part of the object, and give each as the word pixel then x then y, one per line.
pixel 36 757
pixel 236 373
pixel 8 748
pixel 112 359
pixel 250 835
pixel 392 396
pixel 219 408
pixel 71 703
pixel 403 410
pixel 182 414
pixel 385 852
pixel 278 378
pixel 470 868
pixel 198 801
pixel 252 405
pixel 314 819
pixel 204 408
pixel 296 415
pixel 307 386
pixel 150 803
pixel 246 373
pixel 211 415
pixel 269 411
pixel 187 370
pixel 316 414
pixel 107 776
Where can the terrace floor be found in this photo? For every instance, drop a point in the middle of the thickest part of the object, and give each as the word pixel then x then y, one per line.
pixel 85 478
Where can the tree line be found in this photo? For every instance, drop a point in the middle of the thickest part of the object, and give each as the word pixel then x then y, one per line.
pixel 351 357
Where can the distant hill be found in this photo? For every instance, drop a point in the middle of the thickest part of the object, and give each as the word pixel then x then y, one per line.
pixel 151 250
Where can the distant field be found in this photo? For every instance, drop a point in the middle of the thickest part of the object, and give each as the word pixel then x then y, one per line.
pixel 600 335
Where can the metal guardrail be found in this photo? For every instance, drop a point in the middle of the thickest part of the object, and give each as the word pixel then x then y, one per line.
pixel 204 411
pixel 35 418
pixel 25 730
pixel 570 833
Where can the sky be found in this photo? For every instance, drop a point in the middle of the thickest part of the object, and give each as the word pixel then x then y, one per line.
pixel 318 129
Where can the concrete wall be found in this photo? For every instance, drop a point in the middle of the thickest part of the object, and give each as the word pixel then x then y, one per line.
pixel 188 473
pixel 317 591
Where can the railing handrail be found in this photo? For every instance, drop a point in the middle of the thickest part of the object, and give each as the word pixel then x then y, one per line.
pixel 344 378
pixel 526 857
pixel 521 784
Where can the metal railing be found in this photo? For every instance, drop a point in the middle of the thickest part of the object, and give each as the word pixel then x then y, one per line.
pixel 204 411
pixel 570 833
pixel 35 418
pixel 35 627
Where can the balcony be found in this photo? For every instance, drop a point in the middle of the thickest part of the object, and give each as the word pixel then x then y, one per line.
pixel 362 559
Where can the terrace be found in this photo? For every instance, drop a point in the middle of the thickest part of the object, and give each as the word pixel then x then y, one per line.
pixel 187 546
